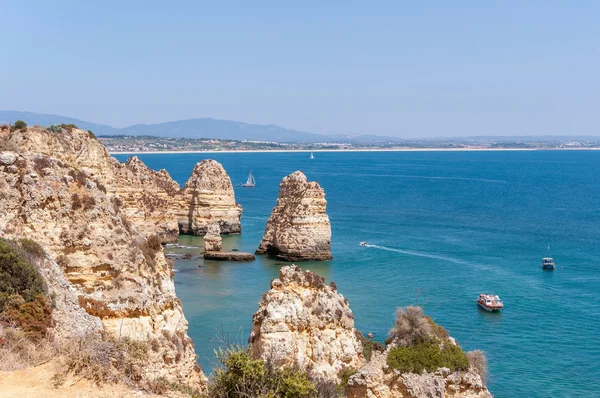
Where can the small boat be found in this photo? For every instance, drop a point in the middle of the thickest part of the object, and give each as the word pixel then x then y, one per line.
pixel 363 243
pixel 548 264
pixel 251 181
pixel 312 156
pixel 490 302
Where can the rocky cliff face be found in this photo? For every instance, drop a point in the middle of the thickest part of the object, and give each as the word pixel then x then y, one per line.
pixel 150 199
pixel 211 199
pixel 100 261
pixel 378 380
pixel 303 322
pixel 298 229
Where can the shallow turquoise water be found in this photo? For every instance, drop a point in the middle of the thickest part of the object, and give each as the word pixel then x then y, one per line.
pixel 449 225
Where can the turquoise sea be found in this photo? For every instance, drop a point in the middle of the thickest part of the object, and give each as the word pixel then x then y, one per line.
pixel 447 226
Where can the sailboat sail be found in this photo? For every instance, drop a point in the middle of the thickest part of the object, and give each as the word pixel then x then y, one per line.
pixel 251 181
pixel 312 156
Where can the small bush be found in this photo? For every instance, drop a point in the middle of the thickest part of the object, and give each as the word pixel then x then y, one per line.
pixel 17 275
pixel 242 376
pixel 88 202
pixel 34 317
pixel 68 127
pixel 92 135
pixel 78 176
pixel 149 248
pixel 427 356
pixel 76 202
pixel 54 128
pixel 478 362
pixel 369 345
pixel 32 248
pixel 411 327
pixel 40 163
pixel 20 125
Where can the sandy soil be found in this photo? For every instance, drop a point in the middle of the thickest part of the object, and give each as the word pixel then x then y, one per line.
pixel 37 382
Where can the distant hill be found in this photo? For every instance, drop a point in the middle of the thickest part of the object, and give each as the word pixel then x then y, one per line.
pixel 223 129
pixel 43 119
pixel 230 130
pixel 192 128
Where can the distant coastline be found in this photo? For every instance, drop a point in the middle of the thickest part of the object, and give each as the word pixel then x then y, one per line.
pixel 352 150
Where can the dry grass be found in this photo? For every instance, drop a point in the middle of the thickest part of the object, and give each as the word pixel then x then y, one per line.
pixel 478 362
pixel 19 351
pixel 411 327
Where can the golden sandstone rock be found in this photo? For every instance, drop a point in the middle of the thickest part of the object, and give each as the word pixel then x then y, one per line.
pixel 303 322
pixel 298 229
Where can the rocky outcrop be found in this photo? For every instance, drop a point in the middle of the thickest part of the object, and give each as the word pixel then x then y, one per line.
pixel 211 199
pixel 106 273
pixel 150 199
pixel 212 239
pixel 305 323
pixel 298 229
pixel 213 247
pixel 377 380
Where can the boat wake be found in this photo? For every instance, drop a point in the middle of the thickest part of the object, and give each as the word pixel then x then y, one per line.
pixel 420 254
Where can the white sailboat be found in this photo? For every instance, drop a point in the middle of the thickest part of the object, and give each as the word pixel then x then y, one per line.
pixel 312 156
pixel 251 182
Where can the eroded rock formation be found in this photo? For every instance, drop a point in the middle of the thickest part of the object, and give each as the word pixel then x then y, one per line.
pixel 150 199
pixel 99 262
pixel 377 380
pixel 298 229
pixel 211 199
pixel 301 321
pixel 212 239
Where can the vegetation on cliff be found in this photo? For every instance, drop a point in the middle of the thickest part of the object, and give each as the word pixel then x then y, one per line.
pixel 422 345
pixel 23 300
pixel 242 376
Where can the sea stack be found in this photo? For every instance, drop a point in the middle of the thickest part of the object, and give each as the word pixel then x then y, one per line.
pixel 212 239
pixel 211 198
pixel 303 322
pixel 298 228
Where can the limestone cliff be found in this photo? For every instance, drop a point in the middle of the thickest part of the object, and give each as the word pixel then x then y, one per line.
pixel 303 322
pixel 298 228
pixel 211 199
pixel 377 380
pixel 150 199
pixel 100 261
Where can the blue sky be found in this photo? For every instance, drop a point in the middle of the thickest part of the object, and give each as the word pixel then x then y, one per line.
pixel 400 68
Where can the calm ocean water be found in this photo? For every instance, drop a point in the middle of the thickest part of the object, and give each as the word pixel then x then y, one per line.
pixel 448 226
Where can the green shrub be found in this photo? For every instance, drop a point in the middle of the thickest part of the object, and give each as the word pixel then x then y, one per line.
pixel 32 248
pixel 18 276
pixel 54 128
pixel 427 356
pixel 242 376
pixel 20 125
pixel 369 345
pixel 68 127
